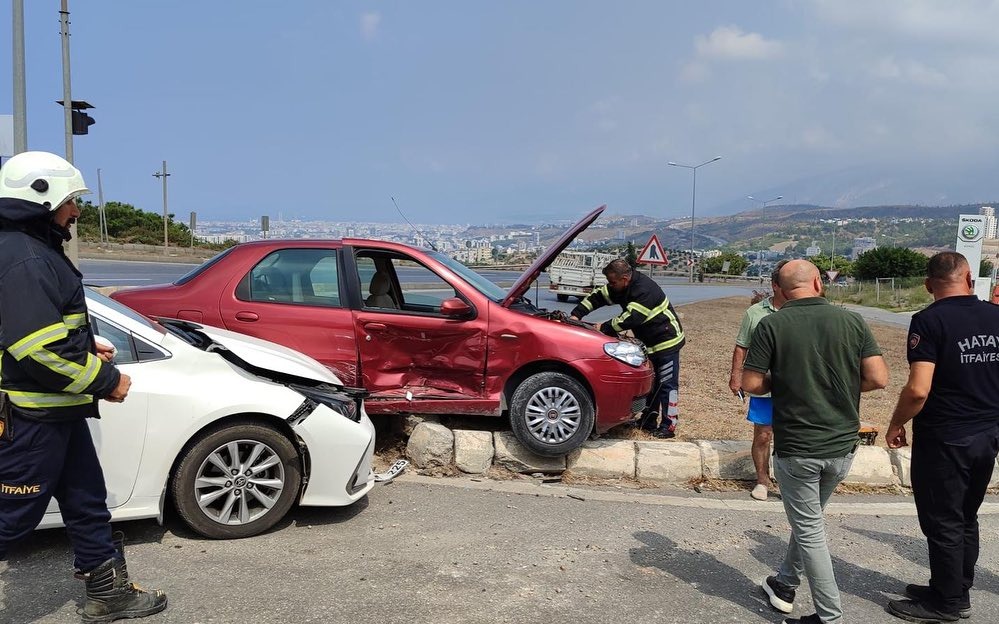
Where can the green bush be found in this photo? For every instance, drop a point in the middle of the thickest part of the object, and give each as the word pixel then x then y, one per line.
pixel 890 262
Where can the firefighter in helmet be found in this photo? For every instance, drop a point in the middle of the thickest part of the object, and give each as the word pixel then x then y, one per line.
pixel 52 374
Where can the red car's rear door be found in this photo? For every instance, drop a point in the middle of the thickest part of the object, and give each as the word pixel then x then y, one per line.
pixel 293 297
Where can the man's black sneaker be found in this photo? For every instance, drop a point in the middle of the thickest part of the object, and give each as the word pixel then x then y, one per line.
pixel 663 434
pixel 915 611
pixel 808 619
pixel 781 596
pixel 926 594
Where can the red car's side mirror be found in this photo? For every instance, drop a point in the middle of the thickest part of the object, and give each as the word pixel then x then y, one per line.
pixel 455 308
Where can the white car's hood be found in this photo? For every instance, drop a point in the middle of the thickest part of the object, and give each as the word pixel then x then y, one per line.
pixel 270 356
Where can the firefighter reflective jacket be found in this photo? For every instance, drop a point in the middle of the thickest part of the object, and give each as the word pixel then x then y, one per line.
pixel 49 368
pixel 645 310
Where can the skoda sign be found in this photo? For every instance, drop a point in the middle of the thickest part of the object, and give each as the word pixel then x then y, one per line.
pixel 970 232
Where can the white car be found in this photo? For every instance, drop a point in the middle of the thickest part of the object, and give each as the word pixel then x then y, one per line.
pixel 232 429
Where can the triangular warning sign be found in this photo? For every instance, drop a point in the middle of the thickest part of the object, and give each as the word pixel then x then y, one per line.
pixel 832 275
pixel 653 253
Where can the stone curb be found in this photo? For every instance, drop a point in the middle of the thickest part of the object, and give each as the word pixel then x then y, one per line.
pixel 665 462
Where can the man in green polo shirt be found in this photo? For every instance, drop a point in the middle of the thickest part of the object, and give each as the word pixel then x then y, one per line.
pixel 820 358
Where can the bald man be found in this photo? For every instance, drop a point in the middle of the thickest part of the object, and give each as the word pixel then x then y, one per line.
pixel 952 398
pixel 820 358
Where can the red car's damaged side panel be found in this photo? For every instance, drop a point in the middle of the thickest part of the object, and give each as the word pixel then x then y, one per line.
pixel 420 357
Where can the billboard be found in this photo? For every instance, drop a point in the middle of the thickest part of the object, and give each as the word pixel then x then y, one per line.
pixel 6 136
pixel 970 233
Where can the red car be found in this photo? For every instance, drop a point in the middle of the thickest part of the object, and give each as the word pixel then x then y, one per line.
pixel 420 331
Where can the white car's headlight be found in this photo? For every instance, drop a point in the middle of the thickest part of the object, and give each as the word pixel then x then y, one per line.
pixel 627 352
pixel 340 402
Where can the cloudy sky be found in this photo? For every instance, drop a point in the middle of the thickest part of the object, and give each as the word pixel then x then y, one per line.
pixel 519 110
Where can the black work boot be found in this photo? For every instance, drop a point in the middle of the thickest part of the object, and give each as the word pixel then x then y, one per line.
pixel 926 594
pixel 915 611
pixel 111 597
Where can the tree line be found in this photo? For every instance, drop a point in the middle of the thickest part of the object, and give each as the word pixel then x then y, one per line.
pixel 128 224
pixel 870 265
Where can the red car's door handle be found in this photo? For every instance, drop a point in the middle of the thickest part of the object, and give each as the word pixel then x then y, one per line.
pixel 249 317
pixel 375 326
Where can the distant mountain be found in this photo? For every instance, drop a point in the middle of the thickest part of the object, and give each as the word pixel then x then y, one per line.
pixel 938 183
pixel 923 226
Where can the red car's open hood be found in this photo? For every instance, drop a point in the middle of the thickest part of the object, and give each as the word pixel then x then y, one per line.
pixel 525 281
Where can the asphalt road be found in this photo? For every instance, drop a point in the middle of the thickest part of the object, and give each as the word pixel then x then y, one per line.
pixel 449 551
pixel 128 273
pixel 679 290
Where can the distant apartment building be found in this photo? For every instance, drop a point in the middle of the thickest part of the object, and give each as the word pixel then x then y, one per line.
pixel 863 244
pixel 990 221
pixel 813 250
pixel 474 255
pixel 222 238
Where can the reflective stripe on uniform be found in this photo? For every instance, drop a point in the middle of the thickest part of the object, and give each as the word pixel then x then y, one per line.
pixel 74 321
pixel 666 344
pixel 33 346
pixel 47 399
pixel 87 376
pixel 38 339
pixel 56 364
pixel 587 302
pixel 662 308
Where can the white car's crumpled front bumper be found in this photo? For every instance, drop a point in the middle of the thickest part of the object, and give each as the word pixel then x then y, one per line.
pixel 340 455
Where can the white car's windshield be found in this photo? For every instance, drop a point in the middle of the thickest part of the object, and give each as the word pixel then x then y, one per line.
pixel 478 282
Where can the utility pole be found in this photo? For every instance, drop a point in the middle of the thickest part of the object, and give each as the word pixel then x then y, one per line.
pixel 102 222
pixel 166 236
pixel 20 105
pixel 833 254
pixel 73 250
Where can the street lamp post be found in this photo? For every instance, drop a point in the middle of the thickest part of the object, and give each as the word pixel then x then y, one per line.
pixel 693 203
pixel 763 205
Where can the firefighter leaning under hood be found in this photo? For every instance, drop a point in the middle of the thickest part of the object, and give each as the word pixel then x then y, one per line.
pixel 52 374
pixel 647 312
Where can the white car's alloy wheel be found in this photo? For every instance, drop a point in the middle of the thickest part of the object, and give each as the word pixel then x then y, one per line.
pixel 239 482
pixel 236 480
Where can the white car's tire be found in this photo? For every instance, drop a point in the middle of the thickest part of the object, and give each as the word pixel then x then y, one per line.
pixel 236 480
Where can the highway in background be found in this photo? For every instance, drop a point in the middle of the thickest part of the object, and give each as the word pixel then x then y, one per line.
pixel 123 274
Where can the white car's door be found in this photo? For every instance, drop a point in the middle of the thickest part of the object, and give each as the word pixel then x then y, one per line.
pixel 119 437
pixel 120 433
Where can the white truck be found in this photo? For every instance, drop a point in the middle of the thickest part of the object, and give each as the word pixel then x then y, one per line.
pixel 577 273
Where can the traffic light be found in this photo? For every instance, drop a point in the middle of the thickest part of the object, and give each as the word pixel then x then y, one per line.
pixel 81 121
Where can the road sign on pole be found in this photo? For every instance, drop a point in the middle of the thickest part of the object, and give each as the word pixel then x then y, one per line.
pixel 832 275
pixel 653 253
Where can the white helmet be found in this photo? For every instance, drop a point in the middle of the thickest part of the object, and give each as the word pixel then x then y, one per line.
pixel 42 178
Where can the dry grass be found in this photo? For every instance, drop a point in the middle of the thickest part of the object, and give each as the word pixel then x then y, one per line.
pixel 708 411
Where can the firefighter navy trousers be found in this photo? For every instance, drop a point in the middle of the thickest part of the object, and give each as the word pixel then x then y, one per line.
pixel 54 459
